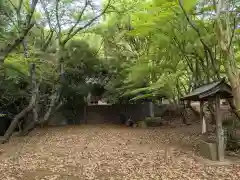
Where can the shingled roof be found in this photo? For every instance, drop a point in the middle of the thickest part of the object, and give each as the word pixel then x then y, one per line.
pixel 210 90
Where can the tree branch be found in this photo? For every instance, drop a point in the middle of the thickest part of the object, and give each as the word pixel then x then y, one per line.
pixel 14 7
pixel 18 12
pixel 11 19
pixel 20 6
pixel 46 13
pixel 5 51
pixel 77 22
pixel 88 24
pixel 28 26
pixel 233 33
pixel 30 15
pixel 198 33
pixel 99 48
pixel 58 22
pixel 48 40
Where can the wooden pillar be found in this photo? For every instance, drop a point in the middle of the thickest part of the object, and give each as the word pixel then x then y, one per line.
pixel 203 120
pixel 219 131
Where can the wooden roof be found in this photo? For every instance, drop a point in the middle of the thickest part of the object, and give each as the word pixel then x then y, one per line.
pixel 210 90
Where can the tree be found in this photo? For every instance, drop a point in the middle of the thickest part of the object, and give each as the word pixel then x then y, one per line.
pixel 226 25
pixel 188 33
pixel 78 19
pixel 84 70
pixel 65 21
pixel 20 23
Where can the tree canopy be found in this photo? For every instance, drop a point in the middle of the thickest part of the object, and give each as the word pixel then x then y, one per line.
pixel 142 49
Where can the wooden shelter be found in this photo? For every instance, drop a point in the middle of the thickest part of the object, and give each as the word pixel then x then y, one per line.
pixel 212 91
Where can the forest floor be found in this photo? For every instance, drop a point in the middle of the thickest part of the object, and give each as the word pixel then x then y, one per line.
pixel 108 152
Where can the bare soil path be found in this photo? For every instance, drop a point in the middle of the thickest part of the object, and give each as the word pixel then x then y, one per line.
pixel 108 152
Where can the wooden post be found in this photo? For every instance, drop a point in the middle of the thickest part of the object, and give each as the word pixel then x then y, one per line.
pixel 204 125
pixel 219 131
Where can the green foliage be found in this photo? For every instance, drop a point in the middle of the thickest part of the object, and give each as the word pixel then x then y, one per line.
pixel 142 49
pixel 160 53
pixel 82 69
pixel 189 4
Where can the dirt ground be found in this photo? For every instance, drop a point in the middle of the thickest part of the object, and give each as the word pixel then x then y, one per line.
pixel 108 152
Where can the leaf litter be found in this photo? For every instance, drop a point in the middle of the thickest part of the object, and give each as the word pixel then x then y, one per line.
pixel 108 152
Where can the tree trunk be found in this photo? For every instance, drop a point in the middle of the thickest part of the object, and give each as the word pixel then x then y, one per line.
pixel 235 82
pixel 234 110
pixel 34 91
pixel 196 113
pixel 31 124
pixel 50 109
pixel 54 99
pixel 183 112
pixel 28 128
pixel 225 38
pixel 30 107
pixel 15 121
pixel 212 112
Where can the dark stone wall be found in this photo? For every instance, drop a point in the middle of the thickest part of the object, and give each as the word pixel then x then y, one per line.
pixel 100 114
pixel 5 121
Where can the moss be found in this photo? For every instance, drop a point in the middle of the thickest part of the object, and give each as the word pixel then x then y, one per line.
pixel 153 121
pixel 142 124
